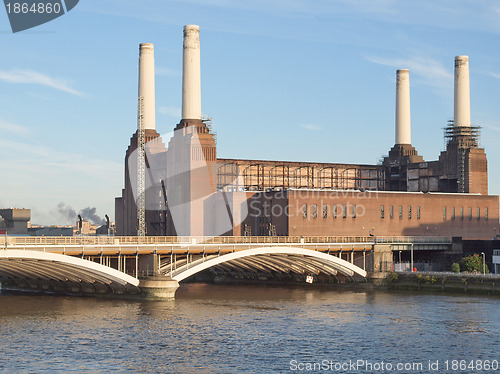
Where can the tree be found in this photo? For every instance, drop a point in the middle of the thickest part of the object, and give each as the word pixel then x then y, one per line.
pixel 473 264
pixel 455 268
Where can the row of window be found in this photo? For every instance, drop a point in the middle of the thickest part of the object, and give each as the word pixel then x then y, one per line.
pixel 348 210
pixel 400 211
pixel 445 212
pixel 353 211
pixel 453 215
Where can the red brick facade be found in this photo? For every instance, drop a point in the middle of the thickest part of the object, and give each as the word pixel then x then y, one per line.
pixel 336 213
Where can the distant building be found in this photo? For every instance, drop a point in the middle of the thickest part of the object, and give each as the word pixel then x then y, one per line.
pixel 105 230
pixel 15 221
pixel 84 227
pixel 51 230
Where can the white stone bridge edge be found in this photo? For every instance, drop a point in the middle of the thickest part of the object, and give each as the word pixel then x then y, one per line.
pixel 342 266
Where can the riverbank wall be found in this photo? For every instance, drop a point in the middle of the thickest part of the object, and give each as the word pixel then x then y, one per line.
pixel 444 282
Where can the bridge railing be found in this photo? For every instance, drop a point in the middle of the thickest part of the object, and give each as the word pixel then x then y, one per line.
pixel 413 239
pixel 189 240
pixel 173 240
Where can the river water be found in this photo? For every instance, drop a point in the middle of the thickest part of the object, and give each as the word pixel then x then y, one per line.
pixel 251 329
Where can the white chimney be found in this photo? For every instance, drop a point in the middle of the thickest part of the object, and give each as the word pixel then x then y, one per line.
pixel 403 123
pixel 461 115
pixel 191 80
pixel 147 84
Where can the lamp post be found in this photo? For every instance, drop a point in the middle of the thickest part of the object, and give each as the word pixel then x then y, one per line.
pixel 484 263
pixel 412 257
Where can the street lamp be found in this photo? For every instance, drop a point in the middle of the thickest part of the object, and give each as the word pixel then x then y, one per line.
pixel 484 263
pixel 412 269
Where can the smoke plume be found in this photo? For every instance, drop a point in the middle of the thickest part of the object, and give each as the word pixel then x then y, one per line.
pixel 67 212
pixel 88 214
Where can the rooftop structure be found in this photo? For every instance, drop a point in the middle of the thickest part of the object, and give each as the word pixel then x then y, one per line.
pixel 15 221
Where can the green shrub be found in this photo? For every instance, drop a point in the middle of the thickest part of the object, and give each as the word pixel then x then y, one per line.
pixel 473 264
pixel 427 279
pixel 392 277
pixel 455 267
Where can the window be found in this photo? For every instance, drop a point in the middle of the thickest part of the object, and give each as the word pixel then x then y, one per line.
pixel 382 213
pixel 478 213
pixel 315 211
pixel 453 213
pixel 391 211
pixel 344 211
pixel 325 211
pixel 354 211
pixel 461 212
pixel 418 212
pixel 409 212
pixel 334 211
pixel 486 213
pixel 304 211
pixel 470 213
pixel 444 213
pixel 400 212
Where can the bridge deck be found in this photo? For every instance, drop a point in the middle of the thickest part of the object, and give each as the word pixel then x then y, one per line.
pixel 168 245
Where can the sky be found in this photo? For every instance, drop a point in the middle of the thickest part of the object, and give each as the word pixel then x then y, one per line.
pixel 294 80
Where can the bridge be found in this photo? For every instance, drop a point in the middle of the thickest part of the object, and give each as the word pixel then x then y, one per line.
pixel 156 265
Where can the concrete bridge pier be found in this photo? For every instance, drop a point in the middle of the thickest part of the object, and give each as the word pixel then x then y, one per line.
pixel 382 261
pixel 153 284
pixel 158 287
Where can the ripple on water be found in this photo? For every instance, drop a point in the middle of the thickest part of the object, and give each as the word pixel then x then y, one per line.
pixel 228 329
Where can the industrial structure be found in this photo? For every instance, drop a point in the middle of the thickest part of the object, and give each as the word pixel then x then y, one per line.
pixel 186 214
pixel 189 191
pixel 126 208
pixel 14 221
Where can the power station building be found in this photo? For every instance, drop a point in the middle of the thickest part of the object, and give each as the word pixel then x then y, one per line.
pixel 187 190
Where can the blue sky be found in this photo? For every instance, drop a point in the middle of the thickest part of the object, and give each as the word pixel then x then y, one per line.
pixel 290 80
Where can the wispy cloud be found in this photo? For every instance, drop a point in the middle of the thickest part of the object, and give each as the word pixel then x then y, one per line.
pixel 432 72
pixel 26 149
pixel 13 128
pixel 494 75
pixel 28 76
pixel 246 16
pixel 495 8
pixel 491 127
pixel 40 166
pixel 171 111
pixel 311 127
pixel 23 155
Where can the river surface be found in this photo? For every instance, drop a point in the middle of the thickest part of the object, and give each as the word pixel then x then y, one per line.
pixel 250 329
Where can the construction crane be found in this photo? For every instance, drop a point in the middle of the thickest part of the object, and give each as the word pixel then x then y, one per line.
pixel 141 170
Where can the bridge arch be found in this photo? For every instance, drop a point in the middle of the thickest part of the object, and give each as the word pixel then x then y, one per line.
pixel 275 258
pixel 53 271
